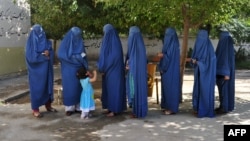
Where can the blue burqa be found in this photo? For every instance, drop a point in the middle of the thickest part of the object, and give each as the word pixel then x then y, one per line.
pixel 40 67
pixel 226 67
pixel 111 65
pixel 204 75
pixel 71 59
pixel 170 71
pixel 137 62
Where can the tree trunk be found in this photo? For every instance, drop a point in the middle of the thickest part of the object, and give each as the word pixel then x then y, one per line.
pixel 184 48
pixel 55 56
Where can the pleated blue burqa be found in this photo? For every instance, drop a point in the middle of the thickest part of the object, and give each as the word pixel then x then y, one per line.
pixel 111 65
pixel 137 62
pixel 225 67
pixel 204 75
pixel 70 54
pixel 169 68
pixel 40 67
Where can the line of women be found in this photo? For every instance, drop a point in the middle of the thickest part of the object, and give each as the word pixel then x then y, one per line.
pixel 124 81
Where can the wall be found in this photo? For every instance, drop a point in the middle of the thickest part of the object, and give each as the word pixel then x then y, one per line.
pixel 14 28
pixel 153 46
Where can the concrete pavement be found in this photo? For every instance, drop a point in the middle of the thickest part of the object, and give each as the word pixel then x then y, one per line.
pixel 17 123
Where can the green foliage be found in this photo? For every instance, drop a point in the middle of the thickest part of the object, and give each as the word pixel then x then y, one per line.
pixel 152 16
pixel 58 16
pixel 242 64
pixel 241 54
pixel 240 31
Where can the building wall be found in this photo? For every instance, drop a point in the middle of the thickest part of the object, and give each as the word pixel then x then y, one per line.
pixel 14 28
pixel 153 46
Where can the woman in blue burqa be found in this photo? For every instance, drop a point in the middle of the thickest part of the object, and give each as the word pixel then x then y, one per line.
pixel 169 68
pixel 111 65
pixel 225 73
pixel 137 73
pixel 39 59
pixel 203 60
pixel 72 56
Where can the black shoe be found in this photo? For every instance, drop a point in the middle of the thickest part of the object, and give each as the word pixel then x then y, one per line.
pixel 78 112
pixel 69 113
pixel 218 109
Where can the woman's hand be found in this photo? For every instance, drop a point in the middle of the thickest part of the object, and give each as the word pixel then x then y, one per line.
pixel 46 53
pixel 160 55
pixel 188 59
pixel 127 67
pixel 194 61
pixel 226 78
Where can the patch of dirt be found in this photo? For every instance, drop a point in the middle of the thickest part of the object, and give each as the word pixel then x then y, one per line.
pixel 62 127
pixel 79 131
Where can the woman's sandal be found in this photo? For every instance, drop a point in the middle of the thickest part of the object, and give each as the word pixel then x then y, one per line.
pixel 133 116
pixel 195 113
pixel 167 112
pixel 37 114
pixel 106 112
pixel 110 114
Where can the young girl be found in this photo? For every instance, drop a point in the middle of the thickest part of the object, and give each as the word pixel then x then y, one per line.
pixel 87 102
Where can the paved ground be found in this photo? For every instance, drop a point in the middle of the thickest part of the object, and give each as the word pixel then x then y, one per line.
pixel 17 123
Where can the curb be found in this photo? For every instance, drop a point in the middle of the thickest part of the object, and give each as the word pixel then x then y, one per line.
pixel 16 95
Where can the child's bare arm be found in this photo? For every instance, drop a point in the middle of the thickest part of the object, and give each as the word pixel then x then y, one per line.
pixel 94 77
